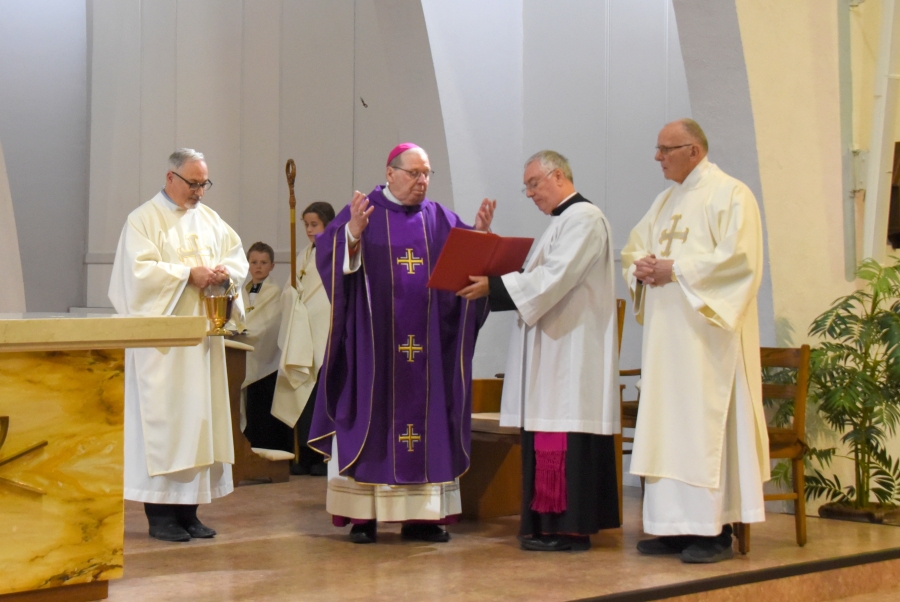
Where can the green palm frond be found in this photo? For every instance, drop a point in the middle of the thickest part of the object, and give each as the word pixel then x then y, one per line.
pixel 855 383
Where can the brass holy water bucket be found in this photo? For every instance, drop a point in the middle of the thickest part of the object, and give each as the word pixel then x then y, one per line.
pixel 218 310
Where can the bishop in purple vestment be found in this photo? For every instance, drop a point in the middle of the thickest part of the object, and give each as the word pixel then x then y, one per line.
pixel 395 385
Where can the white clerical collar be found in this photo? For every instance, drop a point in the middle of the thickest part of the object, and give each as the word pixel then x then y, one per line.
pixel 698 172
pixel 389 195
pixel 565 199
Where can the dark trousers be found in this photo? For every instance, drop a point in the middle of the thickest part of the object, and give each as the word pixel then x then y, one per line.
pixel 308 456
pixel 264 430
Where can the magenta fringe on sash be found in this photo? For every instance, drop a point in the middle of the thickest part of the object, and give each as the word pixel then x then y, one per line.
pixel 549 473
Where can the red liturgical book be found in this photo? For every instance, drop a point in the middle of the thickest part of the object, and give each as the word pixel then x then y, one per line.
pixel 473 253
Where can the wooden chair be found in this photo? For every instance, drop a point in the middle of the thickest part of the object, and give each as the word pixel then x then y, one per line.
pixel 786 443
pixel 620 439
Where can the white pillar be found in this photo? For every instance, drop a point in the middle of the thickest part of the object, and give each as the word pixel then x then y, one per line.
pixel 881 145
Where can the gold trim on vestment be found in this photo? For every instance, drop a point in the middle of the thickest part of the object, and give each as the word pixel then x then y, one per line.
pixel 462 373
pixel 362 267
pixel 390 251
pixel 319 451
pixel 427 346
pixel 327 363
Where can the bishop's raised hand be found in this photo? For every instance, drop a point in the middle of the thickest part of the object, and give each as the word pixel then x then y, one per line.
pixel 360 210
pixel 485 215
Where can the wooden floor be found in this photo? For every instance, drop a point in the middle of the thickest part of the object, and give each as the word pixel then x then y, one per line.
pixel 276 542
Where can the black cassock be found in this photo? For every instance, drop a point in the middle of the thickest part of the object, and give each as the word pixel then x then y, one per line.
pixel 592 491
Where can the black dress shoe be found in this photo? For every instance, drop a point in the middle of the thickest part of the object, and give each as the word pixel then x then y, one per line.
pixel 365 533
pixel 667 544
pixel 168 530
pixel 707 550
pixel 557 543
pixel 420 532
pixel 186 514
pixel 198 530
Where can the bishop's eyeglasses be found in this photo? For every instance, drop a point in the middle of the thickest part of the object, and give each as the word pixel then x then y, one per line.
pixel 415 175
pixel 195 186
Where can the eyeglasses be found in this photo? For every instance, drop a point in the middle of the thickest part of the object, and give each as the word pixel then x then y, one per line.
pixel 665 150
pixel 415 175
pixel 529 186
pixel 195 186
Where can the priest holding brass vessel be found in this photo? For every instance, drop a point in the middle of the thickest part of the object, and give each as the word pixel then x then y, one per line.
pixel 178 444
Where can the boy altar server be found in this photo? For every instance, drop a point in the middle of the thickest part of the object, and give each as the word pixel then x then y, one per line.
pixel 262 302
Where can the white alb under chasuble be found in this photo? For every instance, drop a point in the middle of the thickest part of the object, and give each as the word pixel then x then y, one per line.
pixel 561 376
pixel 261 324
pixel 302 338
pixel 701 350
pixel 178 442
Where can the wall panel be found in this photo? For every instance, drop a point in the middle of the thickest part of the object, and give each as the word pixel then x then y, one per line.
pixel 159 68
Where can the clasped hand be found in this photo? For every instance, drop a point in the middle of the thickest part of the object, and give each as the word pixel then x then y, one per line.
pixel 202 276
pixel 652 271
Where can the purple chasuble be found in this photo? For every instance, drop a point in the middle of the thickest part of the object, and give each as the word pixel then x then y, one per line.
pixel 395 386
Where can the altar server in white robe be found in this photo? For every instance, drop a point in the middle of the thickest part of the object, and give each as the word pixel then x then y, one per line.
pixel 562 373
pixel 693 265
pixel 306 316
pixel 262 302
pixel 178 443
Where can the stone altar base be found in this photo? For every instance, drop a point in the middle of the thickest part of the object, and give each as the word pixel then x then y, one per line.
pixel 61 509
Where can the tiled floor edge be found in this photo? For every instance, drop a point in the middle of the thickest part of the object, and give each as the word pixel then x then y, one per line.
pixel 725 581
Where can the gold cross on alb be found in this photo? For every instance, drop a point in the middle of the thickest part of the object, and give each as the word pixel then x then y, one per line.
pixel 411 261
pixel 668 236
pixel 194 251
pixel 410 438
pixel 410 349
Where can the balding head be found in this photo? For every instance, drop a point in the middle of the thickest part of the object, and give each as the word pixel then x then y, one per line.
pixel 680 147
pixel 695 132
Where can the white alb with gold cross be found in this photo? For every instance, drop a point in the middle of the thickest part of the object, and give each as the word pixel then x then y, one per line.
pixel 699 331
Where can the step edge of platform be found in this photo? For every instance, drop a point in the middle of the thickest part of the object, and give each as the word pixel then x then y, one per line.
pixel 707 584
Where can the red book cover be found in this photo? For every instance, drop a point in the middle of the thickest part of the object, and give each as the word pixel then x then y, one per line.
pixel 473 253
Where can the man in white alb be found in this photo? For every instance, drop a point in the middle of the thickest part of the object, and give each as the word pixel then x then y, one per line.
pixel 562 374
pixel 693 265
pixel 178 444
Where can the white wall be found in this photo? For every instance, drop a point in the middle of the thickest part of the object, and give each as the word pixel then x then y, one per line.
pixel 257 84
pixel 478 61
pixel 44 133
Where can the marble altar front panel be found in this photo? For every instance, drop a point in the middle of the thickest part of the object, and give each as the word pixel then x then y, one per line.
pixel 61 507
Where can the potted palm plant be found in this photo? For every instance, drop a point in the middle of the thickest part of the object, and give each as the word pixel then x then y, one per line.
pixel 855 380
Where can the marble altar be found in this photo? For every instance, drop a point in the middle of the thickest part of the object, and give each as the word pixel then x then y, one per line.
pixel 61 391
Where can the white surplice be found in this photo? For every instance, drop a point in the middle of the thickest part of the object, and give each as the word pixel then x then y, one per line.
pixel 261 325
pixel 303 336
pixel 562 371
pixel 701 430
pixel 178 442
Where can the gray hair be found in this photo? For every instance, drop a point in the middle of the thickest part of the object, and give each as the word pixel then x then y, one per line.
pixel 551 160
pixel 182 156
pixel 693 129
